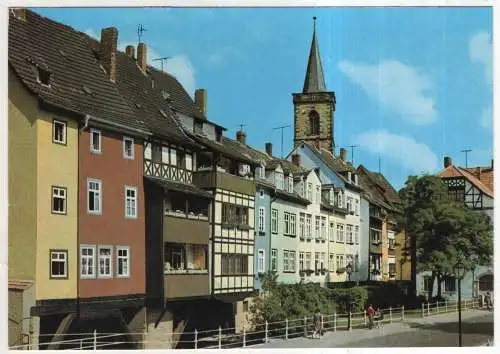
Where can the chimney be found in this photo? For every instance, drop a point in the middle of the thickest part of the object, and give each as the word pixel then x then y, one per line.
pixel 269 149
pixel 200 100
pixel 491 163
pixel 142 56
pixel 130 51
pixel 109 42
pixel 241 136
pixel 447 161
pixel 343 154
pixel 296 159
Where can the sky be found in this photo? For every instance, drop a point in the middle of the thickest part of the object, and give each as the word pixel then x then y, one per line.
pixel 412 85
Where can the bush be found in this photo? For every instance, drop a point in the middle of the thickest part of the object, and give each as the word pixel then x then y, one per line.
pixel 351 299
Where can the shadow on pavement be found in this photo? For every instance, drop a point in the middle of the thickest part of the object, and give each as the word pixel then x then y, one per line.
pixel 483 326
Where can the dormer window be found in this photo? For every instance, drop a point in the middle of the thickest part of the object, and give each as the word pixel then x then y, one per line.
pixel 356 179
pixel 279 180
pixel 290 183
pixel 340 199
pixel 44 76
pixel 349 176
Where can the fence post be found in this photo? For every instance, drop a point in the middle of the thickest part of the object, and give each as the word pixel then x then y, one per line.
pixel 286 328
pixel 390 314
pixel 322 323
pixel 423 311
pixel 335 322
pixel 364 317
pixel 428 309
pixel 244 337
pixel 402 313
pixel 350 321
pixel 305 326
pixel 437 307
pixel 267 327
pixel 446 306
pixel 95 339
pixel 81 344
pixel 195 339
pixel 220 337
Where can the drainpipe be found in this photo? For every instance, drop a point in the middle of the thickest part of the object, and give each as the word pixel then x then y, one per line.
pixel 270 231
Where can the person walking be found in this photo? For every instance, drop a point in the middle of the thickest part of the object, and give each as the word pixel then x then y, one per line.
pixel 371 313
pixel 317 324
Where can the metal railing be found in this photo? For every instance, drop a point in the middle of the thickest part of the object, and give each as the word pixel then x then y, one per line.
pixel 261 333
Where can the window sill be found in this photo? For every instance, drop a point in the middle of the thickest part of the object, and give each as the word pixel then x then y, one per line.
pixel 58 277
pixel 185 271
pixel 186 216
pixel 59 212
pixel 290 235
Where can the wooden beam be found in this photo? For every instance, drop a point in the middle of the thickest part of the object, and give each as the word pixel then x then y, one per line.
pixel 61 331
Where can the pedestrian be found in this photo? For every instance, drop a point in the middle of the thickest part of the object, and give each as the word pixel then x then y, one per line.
pixel 371 313
pixel 317 324
pixel 488 300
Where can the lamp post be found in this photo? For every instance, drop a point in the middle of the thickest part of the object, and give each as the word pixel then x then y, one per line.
pixel 459 271
pixel 348 269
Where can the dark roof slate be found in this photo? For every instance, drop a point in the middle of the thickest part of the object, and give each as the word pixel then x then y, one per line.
pixel 179 187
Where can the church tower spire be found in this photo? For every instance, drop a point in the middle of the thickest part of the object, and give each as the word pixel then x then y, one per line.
pixel 314 107
pixel 315 80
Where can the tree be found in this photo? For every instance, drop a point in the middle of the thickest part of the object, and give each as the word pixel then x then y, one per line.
pixel 443 228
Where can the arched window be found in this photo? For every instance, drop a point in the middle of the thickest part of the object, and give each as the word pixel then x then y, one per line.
pixel 313 123
pixel 486 282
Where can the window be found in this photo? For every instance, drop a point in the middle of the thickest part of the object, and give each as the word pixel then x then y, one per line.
pixel 262 227
pixel 59 132
pixel 87 261
pixel 323 261
pixel 450 284
pixel 317 265
pixel 285 261
pixel 59 200
pixel 340 233
pixel 356 234
pixel 375 235
pixel 310 192
pixel 130 202
pixel 301 261
pixel 58 264
pixel 356 263
pixel 392 269
pixel 301 225
pixel 427 283
pixel 279 180
pixel 340 199
pixel 356 207
pixel 485 282
pixel 164 155
pixel 261 262
pixel 289 223
pixel 308 226
pixel 189 161
pixel 234 264
pixel 94 196
pixel 340 261
pixel 290 183
pixel 308 261
pixel 105 269
pixel 318 194
pixel 331 263
pixel 317 235
pixel 313 123
pixel 323 228
pixel 128 148
pixel 43 76
pixel 122 262
pixel 349 205
pixel 332 231
pixel 349 234
pixel 349 261
pixel 274 260
pixel 274 221
pixel 291 261
pixel 95 140
pixel 292 224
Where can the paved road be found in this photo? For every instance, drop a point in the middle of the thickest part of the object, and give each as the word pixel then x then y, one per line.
pixel 434 331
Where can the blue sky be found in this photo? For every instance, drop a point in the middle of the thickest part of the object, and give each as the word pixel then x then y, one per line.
pixel 412 84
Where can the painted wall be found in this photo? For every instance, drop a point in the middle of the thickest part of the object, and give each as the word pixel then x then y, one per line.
pixel 262 240
pixel 112 228
pixel 22 169
pixel 364 246
pixel 57 165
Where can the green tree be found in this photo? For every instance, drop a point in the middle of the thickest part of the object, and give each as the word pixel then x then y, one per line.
pixel 443 228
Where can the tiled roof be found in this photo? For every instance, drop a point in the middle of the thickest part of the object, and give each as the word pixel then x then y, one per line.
pixel 484 174
pixel 77 82
pixel 179 187
pixel 378 190
pixel 20 284
pixel 452 171
pixel 314 81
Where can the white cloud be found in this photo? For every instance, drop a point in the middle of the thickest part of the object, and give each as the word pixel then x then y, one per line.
pixel 396 86
pixel 223 55
pixel 412 155
pixel 480 52
pixel 487 117
pixel 179 66
pixel 91 33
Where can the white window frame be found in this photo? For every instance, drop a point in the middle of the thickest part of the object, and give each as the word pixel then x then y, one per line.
pixel 99 196
pixel 308 261
pixel 292 261
pixel 93 258
pixel 188 158
pixel 286 222
pixel 340 233
pixel 293 228
pixel 274 221
pixel 64 125
pixel 99 133
pixel 262 219
pixel 132 149
pixel 317 229
pixel 331 262
pixel 63 196
pixel 110 257
pixel 290 183
pixel 349 234
pixel 332 231
pixel 133 200
pixel 356 234
pixel 323 228
pixel 64 261
pixel 302 226
pixel 285 260
pixel 301 261
pixel 308 226
pixel 261 265
pixel 274 259
pixel 118 257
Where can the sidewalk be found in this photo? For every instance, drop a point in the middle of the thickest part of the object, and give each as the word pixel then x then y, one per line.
pixel 339 338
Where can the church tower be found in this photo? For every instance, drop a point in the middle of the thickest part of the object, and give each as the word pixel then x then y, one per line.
pixel 314 108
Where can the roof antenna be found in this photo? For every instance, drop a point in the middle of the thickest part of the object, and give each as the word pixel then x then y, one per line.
pixel 352 152
pixel 379 171
pixel 466 155
pixel 282 128
pixel 140 32
pixel 241 126
pixel 162 60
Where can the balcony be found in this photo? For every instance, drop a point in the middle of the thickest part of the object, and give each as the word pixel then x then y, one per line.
pixel 224 180
pixel 187 284
pixel 180 228
pixel 375 213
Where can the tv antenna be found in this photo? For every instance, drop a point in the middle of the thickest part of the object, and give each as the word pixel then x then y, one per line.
pixel 282 128
pixel 162 60
pixel 241 126
pixel 466 155
pixel 140 32
pixel 352 152
pixel 379 170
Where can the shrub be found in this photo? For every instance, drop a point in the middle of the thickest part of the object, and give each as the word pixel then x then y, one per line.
pixel 352 299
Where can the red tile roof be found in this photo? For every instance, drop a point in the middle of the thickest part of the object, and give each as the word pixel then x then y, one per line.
pixel 453 171
pixel 484 174
pixel 19 284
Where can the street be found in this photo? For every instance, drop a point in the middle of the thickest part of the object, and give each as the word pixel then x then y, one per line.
pixel 435 331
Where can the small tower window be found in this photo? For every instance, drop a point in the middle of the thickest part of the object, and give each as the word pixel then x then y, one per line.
pixel 44 76
pixel 313 123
